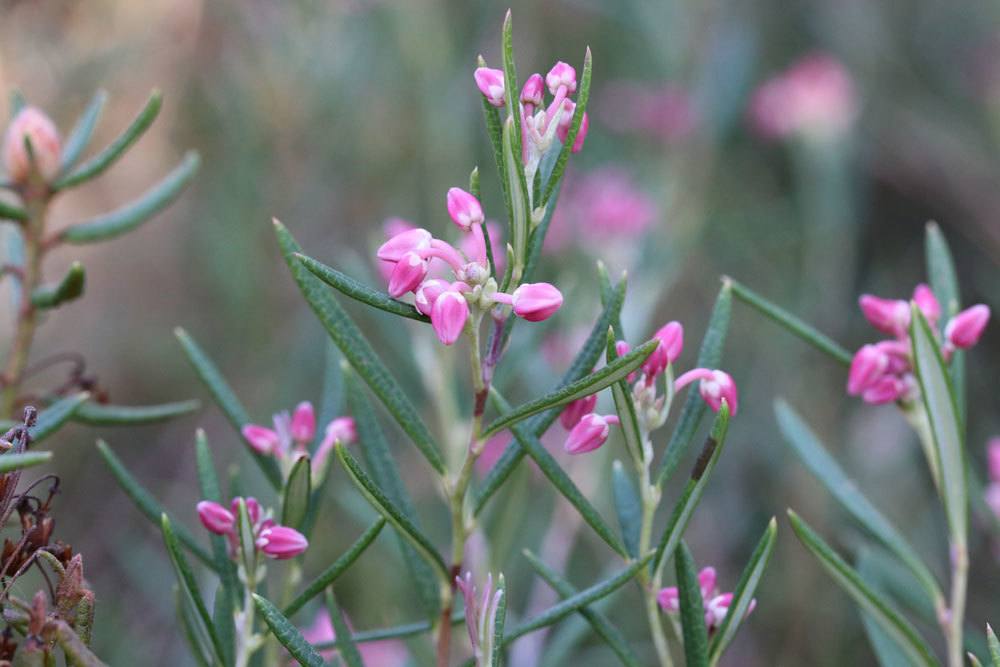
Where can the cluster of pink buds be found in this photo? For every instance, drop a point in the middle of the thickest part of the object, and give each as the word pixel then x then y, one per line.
pixel 480 614
pixel 293 433
pixel 882 372
pixel 716 603
pixel 993 469
pixel 589 430
pixel 271 539
pixel 449 304
pixel 31 127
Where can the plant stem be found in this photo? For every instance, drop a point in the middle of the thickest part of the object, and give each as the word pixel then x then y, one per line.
pixel 956 619
pixel 246 641
pixel 650 581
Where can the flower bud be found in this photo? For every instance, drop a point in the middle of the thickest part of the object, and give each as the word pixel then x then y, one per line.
pixel 303 422
pixel 342 429
pixel 566 120
pixel 427 294
pixel 490 83
pixel 409 272
pixel 575 410
pixel 891 316
pixel 253 508
pixel 720 386
pixel 281 542
pixel 31 124
pixel 671 338
pixel 533 90
pixel 928 304
pixel 669 599
pixel 869 364
pixel 561 74
pixel 536 301
pixel 964 330
pixel 589 433
pixel 448 316
pixel 464 209
pixel 261 438
pixel 886 389
pixel 216 518
pixel 404 242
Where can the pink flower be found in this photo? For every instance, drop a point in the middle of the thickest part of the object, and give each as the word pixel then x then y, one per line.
pixel 867 368
pixel 928 304
pixel 253 508
pixel 992 497
pixel 561 75
pixel 963 330
pixel 341 429
pixel 464 209
pixel 427 294
pixel 671 338
pixel 415 239
pixel 473 245
pixel 886 389
pixel 993 459
pixel 589 433
pixel 304 423
pixel 716 604
pixel 409 272
pixel 575 410
pixel 262 439
pixel 32 124
pixel 566 119
pixel 491 85
pixel 216 518
pixel 536 301
pixel 281 542
pixel 715 386
pixel 448 316
pixel 533 90
pixel 891 316
pixel 664 112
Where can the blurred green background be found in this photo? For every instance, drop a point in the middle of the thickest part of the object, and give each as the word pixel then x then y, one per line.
pixel 335 115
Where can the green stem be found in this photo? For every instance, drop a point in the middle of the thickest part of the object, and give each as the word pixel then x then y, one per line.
pixel 650 581
pixel 959 585
pixel 246 641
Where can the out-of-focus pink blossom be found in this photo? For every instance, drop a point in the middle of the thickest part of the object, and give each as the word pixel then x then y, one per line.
pixel 303 422
pixel 867 368
pixel 671 339
pixel 963 330
pixel 891 316
pixel 993 459
pixel 261 438
pixel 33 125
pixel 664 112
pixel 716 604
pixel 384 653
pixel 928 304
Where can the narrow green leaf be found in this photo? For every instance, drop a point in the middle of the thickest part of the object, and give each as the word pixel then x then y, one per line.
pixel 792 323
pixel 496 644
pixel 12 212
pixel 147 504
pixel 897 627
pixel 590 384
pixel 944 284
pixel 994 644
pixel 358 351
pixel 945 425
pixel 66 290
pixel 537 239
pixel 12 461
pixel 296 495
pixel 331 404
pixel 709 356
pixel 581 106
pixel 886 651
pixel 512 158
pixel 196 642
pixel 97 164
pixel 600 623
pixel 494 132
pixel 692 610
pixel 813 454
pixel 394 632
pixel 79 136
pixel 392 513
pixel 52 418
pixel 345 645
pixel 337 568
pixel 743 593
pixel 358 291
pixel 627 506
pixel 136 212
pixel 227 401
pixel 246 536
pixel 105 414
pixel 573 603
pixel 222 618
pixel 973 660
pixel 684 508
pixel 625 407
pixel 287 634
pixel 188 583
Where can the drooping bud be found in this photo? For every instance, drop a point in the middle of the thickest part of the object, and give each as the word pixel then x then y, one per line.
pixel 533 90
pixel 491 85
pixel 410 240
pixel 448 316
pixel 928 304
pixel 869 364
pixel 536 301
pixel 671 338
pixel 964 330
pixel 261 438
pixel 561 74
pixel 464 209
pixel 303 423
pixel 409 272
pixel 891 316
pixel 714 387
pixel 33 125
pixel 566 120
pixel 589 433
pixel 281 542
pixel 427 294
pixel 216 518
pixel 574 411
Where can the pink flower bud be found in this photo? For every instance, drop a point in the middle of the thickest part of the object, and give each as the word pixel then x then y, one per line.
pixel 448 316
pixel 261 438
pixel 589 433
pixel 574 411
pixel 303 422
pixel 992 497
pixel 31 124
pixel 716 609
pixel 927 303
pixel 707 582
pixel 281 542
pixel 886 389
pixel 427 294
pixel 891 316
pixel 342 429
pixel 869 364
pixel 566 119
pixel 536 301
pixel 671 338
pixel 464 209
pixel 216 518
pixel 993 459
pixel 622 348
pixel 561 74
pixel 490 83
pixel 253 508
pixel 720 386
pixel 964 330
pixel 533 90
pixel 669 599
pixel 410 240
pixel 409 272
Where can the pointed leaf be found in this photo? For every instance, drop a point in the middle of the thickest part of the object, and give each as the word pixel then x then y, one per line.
pixel 105 414
pixel 887 652
pixel 12 212
pixel 627 506
pixel 944 284
pixel 295 498
pixel 52 418
pixel 79 136
pixel 14 461
pixel 349 653
pixel 692 610
pixel 222 619
pixel 210 490
pixel 499 619
pixel 196 642
pixel 287 634
pixel 628 419
pixel 994 644
pixel 574 128
pixel 66 290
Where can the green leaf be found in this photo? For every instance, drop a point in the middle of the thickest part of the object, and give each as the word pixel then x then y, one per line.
pixel 581 106
pixel 12 212
pixel 287 634
pixel 337 568
pixel 345 644
pixel 246 536
pixel 573 603
pixel 689 499
pixel 188 583
pixel 500 618
pixel 13 461
pixel 945 425
pixel 358 351
pixel 222 619
pixel 189 628
pixel 76 651
pixel 743 593
pixel 104 414
pixel 68 289
pixel 627 506
pixel 560 480
pixel 230 589
pixel 394 632
pixel 600 623
pixel 392 513
pixel 792 323
pixel 295 498
pixel 593 383
pixel 97 164
pixel 994 644
pixel 625 408
pixel 709 356
pixel 227 401
pixel 897 627
pixel 79 137
pixel 823 466
pixel 136 212
pixel 52 418
pixel 147 504
pixel 692 610
pixel 887 652
pixel 511 135
pixel 941 271
pixel 350 287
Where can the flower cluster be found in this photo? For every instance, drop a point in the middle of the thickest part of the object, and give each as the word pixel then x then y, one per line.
pixel 449 304
pixel 292 434
pixel 716 603
pixel 31 143
pixel 882 372
pixel 271 539
pixel 589 430
pixel 992 493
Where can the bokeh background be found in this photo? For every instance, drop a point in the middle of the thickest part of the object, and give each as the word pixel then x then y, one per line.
pixel 334 116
